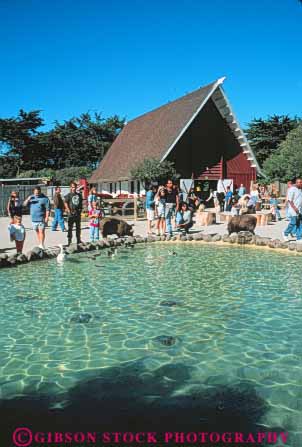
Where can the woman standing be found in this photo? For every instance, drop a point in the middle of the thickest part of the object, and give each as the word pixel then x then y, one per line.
pixel 160 203
pixel 14 206
pixel 255 200
pixel 59 206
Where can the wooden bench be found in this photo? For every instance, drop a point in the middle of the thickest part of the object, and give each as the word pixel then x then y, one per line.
pixel 263 218
pixel 205 218
pixel 225 217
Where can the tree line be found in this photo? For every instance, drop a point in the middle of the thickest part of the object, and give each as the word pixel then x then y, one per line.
pixel 277 144
pixel 70 149
pixel 74 148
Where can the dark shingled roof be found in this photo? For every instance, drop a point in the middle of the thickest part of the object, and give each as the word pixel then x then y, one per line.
pixel 149 136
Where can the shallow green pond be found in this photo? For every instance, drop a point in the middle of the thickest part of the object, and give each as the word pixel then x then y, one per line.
pixel 205 316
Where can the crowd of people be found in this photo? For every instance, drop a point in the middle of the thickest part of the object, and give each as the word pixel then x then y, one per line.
pixel 165 204
pixel 39 206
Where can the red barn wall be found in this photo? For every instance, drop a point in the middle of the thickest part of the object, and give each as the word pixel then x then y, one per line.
pixel 240 170
pixel 210 143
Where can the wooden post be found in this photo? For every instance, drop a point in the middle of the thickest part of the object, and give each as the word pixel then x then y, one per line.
pixel 135 207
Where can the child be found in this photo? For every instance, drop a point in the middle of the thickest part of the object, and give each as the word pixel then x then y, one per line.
pixel 17 233
pixel 92 197
pixel 95 217
pixel 274 203
pixel 160 203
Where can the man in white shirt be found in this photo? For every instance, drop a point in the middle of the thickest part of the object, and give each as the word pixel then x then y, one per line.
pixel 294 200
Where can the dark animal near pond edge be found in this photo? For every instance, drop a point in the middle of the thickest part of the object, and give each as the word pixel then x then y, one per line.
pixel 113 225
pixel 246 222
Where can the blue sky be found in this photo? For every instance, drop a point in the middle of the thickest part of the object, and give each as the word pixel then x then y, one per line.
pixel 66 57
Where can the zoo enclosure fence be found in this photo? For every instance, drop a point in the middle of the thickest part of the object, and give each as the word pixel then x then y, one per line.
pixel 25 191
pixel 131 208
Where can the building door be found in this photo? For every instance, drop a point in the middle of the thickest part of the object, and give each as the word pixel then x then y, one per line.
pixel 203 188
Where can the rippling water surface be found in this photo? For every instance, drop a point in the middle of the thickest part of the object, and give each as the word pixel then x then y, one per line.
pixel 227 315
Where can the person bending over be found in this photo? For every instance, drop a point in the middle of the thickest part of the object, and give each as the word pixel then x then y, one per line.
pixel 185 219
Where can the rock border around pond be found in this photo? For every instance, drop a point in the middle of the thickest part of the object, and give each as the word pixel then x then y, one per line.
pixel 242 238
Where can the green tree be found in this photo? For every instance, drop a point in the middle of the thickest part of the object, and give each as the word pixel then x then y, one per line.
pixel 286 163
pixel 65 176
pixel 81 141
pixel 18 140
pixel 152 170
pixel 265 135
pixel 7 166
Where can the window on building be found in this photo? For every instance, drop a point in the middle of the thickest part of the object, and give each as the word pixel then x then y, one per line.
pixel 114 188
pixel 138 187
pixel 110 188
pixel 132 187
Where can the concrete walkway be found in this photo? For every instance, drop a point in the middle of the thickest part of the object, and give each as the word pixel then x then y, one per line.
pixel 273 230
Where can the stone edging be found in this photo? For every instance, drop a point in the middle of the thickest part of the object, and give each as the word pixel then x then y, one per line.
pixel 242 238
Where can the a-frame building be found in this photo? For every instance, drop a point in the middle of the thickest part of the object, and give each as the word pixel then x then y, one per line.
pixel 199 132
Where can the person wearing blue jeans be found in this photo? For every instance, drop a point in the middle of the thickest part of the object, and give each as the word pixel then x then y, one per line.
pixel 94 224
pixel 185 218
pixel 294 198
pixel 58 209
pixel 171 199
pixel 274 203
pixel 294 228
pixel 228 199
pixel 73 206
pixel 150 207
pixel 178 218
pixel 170 210
pixel 287 207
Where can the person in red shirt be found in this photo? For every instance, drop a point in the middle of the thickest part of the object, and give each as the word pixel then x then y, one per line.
pixel 95 216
